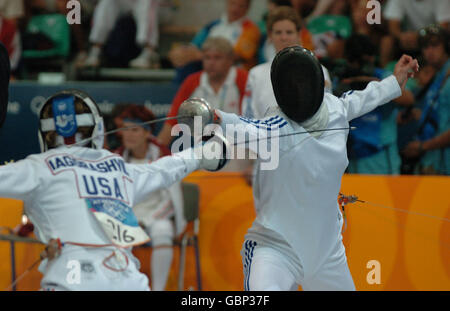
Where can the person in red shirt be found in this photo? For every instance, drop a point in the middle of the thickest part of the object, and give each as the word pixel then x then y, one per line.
pixel 10 37
pixel 220 83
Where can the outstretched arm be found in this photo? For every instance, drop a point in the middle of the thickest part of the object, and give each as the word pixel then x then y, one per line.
pixel 358 103
pixel 209 155
pixel 162 173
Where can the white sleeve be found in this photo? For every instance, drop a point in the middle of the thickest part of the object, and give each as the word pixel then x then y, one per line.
pixel 162 173
pixel 442 11
pixel 250 133
pixel 327 79
pixel 248 102
pixel 19 180
pixel 394 10
pixel 358 103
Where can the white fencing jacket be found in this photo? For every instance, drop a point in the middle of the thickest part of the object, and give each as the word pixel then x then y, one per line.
pixel 56 185
pixel 298 199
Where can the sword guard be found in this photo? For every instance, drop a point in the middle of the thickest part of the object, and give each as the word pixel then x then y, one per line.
pixel 195 107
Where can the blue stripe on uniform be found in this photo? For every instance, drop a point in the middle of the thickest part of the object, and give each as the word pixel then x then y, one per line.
pixel 343 96
pixel 269 127
pixel 249 248
pixel 272 128
pixel 270 121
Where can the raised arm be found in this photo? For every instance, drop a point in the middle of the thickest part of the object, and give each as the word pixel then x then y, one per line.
pixel 358 103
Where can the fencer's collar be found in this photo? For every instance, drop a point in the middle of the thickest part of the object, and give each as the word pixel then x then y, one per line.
pixel 273 111
pixel 318 121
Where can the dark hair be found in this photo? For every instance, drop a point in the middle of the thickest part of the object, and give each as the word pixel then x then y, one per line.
pixel 134 111
pixel 431 32
pixel 357 46
pixel 281 2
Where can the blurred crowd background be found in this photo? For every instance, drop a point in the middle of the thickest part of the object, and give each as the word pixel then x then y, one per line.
pixel 207 48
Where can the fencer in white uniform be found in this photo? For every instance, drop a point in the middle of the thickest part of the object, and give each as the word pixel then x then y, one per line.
pixel 83 195
pixel 296 237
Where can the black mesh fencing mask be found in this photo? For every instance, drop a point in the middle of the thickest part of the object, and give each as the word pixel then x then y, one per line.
pixel 298 82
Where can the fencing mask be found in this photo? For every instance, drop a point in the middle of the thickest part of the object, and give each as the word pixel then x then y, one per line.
pixel 68 117
pixel 298 82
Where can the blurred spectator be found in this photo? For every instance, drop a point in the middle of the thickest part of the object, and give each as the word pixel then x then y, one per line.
pixel 330 30
pixel 427 123
pixel 11 11
pixel 321 8
pixel 405 18
pixel 304 7
pixel 220 83
pixel 5 72
pixel 359 13
pixel 267 50
pixel 372 147
pixel 145 13
pixel 284 28
pixel 161 215
pixel 78 31
pixel 10 37
pixel 417 148
pixel 308 9
pixel 235 26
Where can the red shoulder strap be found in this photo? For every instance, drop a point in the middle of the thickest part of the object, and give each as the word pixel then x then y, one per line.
pixel 241 81
pixel 184 92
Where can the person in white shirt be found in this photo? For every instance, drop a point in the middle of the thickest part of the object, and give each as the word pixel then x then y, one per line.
pixel 81 194
pixel 405 19
pixel 296 237
pixel 145 13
